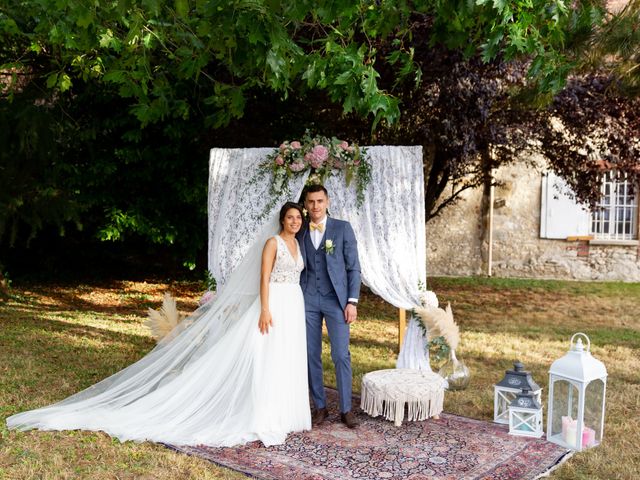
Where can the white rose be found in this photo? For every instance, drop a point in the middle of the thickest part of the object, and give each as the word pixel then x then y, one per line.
pixel 328 244
pixel 429 298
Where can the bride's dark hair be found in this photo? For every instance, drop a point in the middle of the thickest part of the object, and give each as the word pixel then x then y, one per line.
pixel 285 208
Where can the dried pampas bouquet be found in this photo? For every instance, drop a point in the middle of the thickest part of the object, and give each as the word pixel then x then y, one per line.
pixel 162 321
pixel 441 330
pixel 440 323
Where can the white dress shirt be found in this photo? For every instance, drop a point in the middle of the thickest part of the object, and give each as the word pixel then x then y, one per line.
pixel 317 235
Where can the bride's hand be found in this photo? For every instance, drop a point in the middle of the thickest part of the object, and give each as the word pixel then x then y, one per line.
pixel 265 322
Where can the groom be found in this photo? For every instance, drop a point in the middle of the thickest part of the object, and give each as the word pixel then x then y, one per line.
pixel 331 286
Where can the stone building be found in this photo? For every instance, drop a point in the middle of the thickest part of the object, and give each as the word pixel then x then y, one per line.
pixel 537 231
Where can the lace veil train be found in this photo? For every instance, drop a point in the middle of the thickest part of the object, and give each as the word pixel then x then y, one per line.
pixel 125 402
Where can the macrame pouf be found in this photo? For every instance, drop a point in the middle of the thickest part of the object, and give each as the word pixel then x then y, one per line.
pixel 385 392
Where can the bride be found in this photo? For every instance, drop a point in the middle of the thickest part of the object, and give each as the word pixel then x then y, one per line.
pixel 234 371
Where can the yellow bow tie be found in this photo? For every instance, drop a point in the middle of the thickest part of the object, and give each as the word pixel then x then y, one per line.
pixel 319 227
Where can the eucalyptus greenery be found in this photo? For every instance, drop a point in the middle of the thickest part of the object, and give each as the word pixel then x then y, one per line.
pixel 210 282
pixel 436 348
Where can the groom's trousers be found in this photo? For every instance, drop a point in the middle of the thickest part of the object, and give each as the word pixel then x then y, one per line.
pixel 327 306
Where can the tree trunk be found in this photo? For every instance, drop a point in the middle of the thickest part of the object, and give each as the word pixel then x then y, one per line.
pixel 485 206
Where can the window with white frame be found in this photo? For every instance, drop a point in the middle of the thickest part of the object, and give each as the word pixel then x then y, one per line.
pixel 616 215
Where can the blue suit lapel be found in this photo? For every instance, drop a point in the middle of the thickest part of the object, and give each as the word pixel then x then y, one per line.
pixel 328 235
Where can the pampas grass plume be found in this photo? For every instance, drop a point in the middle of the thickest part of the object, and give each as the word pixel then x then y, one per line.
pixel 440 323
pixel 162 321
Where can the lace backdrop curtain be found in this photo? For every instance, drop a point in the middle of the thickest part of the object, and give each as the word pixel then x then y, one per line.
pixel 389 226
pixel 236 205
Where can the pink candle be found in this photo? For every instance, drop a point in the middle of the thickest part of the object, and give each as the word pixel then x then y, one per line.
pixel 588 437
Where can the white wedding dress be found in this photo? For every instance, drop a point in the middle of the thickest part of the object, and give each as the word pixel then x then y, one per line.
pixel 216 380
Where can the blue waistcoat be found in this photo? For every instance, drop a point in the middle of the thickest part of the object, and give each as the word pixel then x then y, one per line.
pixel 317 274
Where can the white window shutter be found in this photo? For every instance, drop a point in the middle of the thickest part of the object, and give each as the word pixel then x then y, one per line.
pixel 560 215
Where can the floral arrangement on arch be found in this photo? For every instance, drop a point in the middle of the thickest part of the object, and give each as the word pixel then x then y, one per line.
pixel 324 157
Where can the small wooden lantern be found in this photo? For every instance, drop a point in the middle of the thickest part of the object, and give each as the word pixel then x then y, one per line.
pixel 525 415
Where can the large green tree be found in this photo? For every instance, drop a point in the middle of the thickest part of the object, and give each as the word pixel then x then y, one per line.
pixel 109 105
pixel 615 47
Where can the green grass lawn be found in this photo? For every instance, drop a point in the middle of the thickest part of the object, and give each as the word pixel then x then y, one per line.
pixel 58 339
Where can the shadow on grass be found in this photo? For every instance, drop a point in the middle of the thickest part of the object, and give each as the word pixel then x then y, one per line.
pixel 369 343
pixel 17 322
pixel 116 297
pixel 39 311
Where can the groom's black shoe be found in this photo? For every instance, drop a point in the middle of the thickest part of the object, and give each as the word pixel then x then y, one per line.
pixel 319 416
pixel 349 419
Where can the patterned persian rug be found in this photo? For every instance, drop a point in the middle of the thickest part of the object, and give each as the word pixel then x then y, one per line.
pixel 452 448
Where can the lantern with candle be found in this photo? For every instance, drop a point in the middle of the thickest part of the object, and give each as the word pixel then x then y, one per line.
pixel 577 387
pixel 525 415
pixel 506 390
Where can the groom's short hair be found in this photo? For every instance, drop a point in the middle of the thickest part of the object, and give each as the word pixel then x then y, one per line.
pixel 317 187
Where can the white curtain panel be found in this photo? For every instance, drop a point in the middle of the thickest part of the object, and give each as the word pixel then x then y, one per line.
pixel 389 226
pixel 236 205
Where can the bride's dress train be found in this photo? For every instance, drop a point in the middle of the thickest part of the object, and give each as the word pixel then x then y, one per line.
pixel 216 381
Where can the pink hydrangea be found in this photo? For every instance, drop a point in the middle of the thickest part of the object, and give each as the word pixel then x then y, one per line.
pixel 296 145
pixel 279 160
pixel 310 158
pixel 296 167
pixel 317 156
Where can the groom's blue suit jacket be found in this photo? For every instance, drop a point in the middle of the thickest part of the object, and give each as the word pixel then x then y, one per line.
pixel 342 264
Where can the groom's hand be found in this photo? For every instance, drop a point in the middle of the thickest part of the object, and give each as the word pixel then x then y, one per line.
pixel 350 313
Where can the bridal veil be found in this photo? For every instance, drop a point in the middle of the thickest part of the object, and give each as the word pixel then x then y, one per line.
pixel 167 395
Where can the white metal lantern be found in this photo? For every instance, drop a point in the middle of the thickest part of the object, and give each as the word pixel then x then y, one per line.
pixel 506 390
pixel 577 388
pixel 525 415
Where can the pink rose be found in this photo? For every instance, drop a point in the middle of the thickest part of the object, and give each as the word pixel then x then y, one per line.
pixel 321 152
pixel 296 167
pixel 283 146
pixel 344 145
pixel 356 162
pixel 296 145
pixel 279 160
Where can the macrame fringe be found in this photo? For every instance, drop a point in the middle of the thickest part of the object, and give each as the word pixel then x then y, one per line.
pixel 374 403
